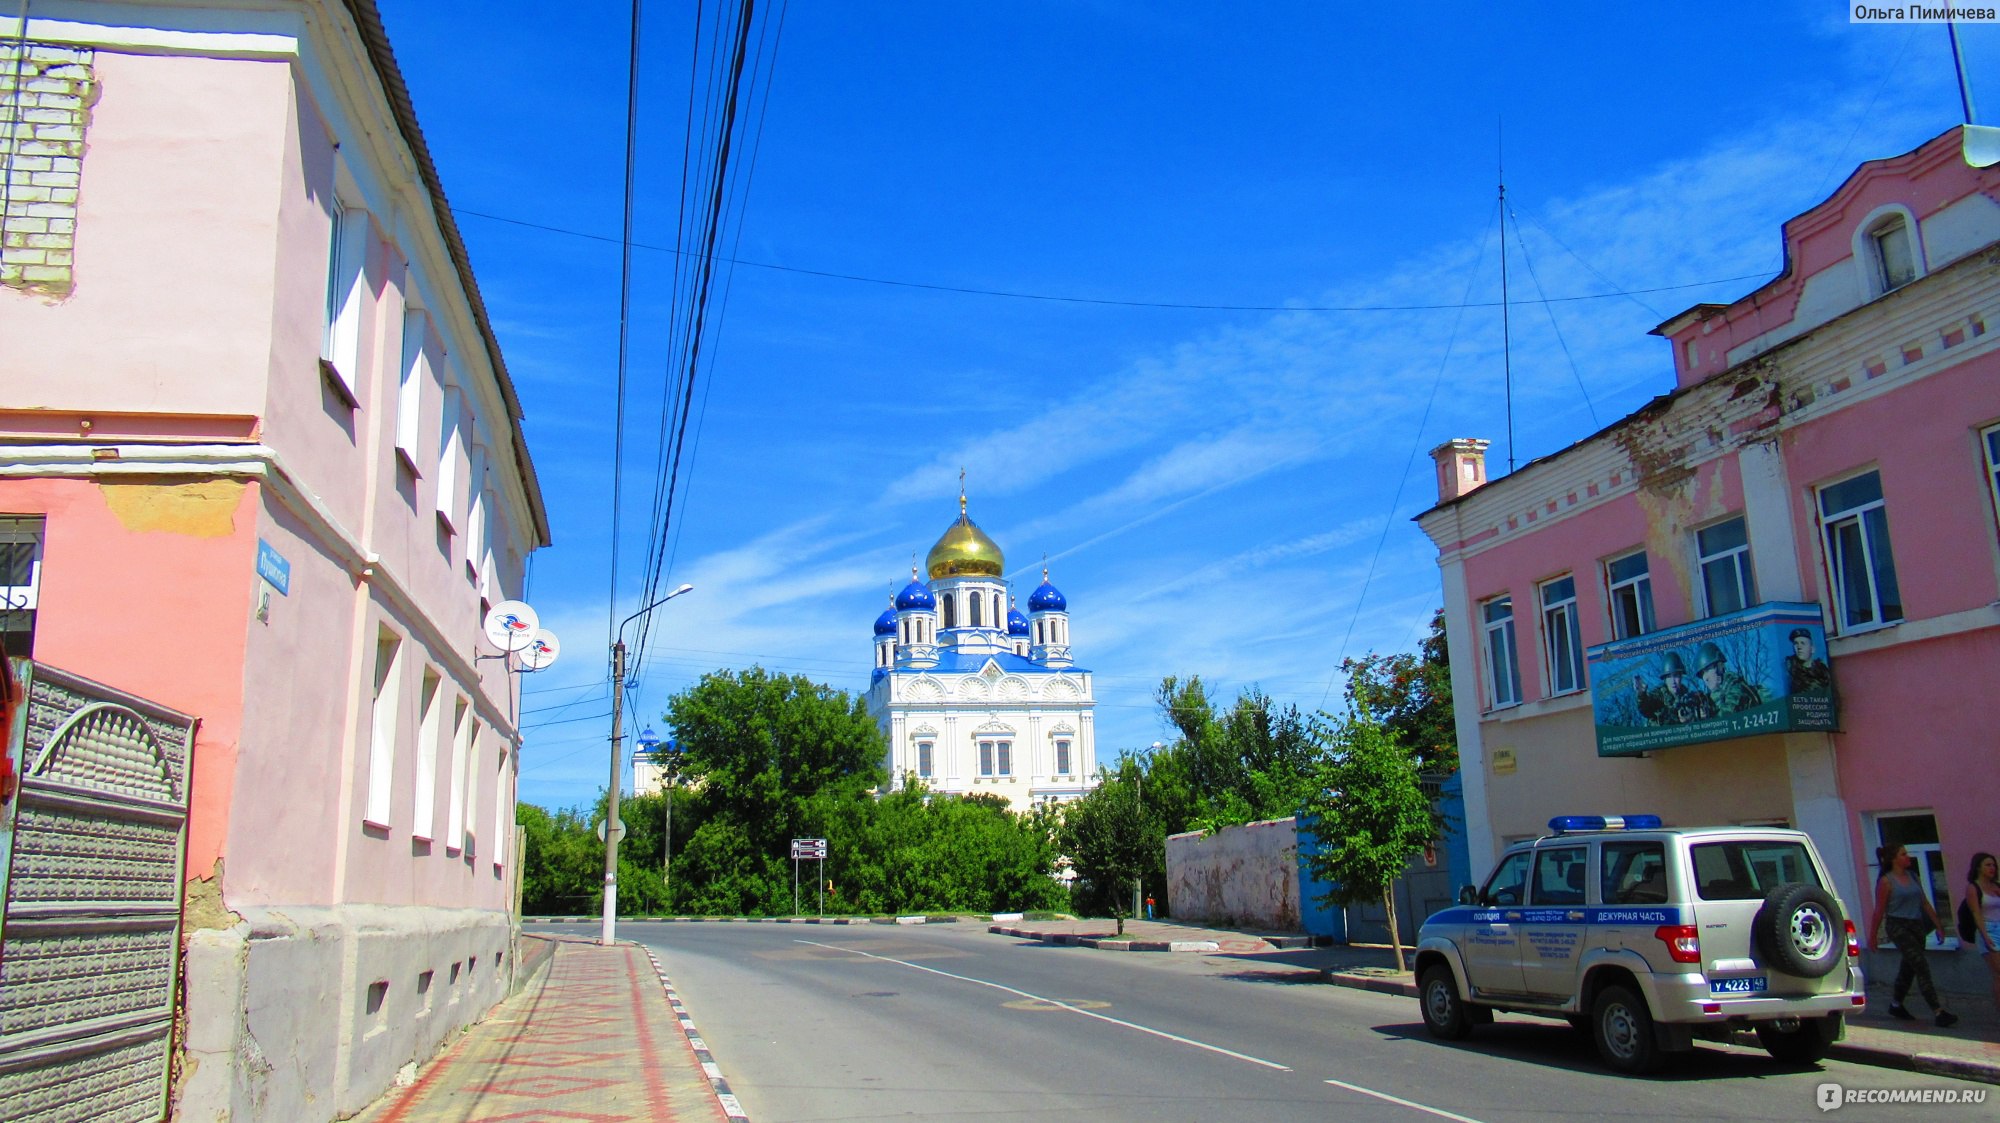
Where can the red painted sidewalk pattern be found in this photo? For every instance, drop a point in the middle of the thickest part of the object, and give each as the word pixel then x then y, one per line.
pixel 594 1042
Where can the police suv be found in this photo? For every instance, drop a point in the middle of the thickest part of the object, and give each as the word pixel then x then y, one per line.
pixel 1648 937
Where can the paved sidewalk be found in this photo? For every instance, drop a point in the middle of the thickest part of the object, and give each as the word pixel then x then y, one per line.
pixel 595 1040
pixel 1970 1050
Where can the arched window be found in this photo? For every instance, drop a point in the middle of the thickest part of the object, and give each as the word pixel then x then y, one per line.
pixel 972 614
pixel 999 617
pixel 950 616
pixel 1038 631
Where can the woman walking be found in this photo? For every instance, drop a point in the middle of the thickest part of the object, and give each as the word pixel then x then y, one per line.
pixel 1983 892
pixel 1905 909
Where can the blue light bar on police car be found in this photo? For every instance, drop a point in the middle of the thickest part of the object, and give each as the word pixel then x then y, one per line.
pixel 1562 824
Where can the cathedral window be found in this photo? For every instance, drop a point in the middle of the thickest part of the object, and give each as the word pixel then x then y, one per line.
pixel 986 758
pixel 1062 757
pixel 924 759
pixel 999 617
pixel 972 610
pixel 1038 631
pixel 1003 752
pixel 950 615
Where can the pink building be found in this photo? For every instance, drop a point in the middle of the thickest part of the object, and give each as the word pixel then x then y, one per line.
pixel 261 472
pixel 1642 622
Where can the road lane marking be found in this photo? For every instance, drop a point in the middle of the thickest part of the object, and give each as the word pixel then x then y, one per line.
pixel 1437 1111
pixel 1072 1008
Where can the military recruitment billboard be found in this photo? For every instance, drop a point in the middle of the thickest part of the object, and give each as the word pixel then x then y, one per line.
pixel 1762 670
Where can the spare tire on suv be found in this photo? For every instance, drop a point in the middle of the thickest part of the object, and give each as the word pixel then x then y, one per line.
pixel 1800 930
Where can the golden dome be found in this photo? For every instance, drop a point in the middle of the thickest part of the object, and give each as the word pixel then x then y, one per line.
pixel 964 551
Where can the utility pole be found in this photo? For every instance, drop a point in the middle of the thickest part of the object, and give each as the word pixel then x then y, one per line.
pixel 612 827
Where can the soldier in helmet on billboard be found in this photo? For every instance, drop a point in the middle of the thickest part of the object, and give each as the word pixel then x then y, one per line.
pixel 1674 701
pixel 1732 692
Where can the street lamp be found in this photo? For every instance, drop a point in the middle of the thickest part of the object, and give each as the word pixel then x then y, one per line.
pixel 613 827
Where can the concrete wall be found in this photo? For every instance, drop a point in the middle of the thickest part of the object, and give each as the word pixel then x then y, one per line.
pixel 1242 877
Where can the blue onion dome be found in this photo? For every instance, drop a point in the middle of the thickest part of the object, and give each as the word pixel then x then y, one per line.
pixel 1017 624
pixel 1046 597
pixel 885 624
pixel 915 595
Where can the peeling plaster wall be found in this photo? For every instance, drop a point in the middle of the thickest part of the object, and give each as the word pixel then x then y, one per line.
pixel 1245 876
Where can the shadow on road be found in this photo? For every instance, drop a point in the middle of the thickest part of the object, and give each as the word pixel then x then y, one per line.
pixel 1554 1045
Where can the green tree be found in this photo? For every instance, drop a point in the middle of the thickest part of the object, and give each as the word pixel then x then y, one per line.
pixel 1370 815
pixel 766 757
pixel 1410 696
pixel 562 872
pixel 1111 839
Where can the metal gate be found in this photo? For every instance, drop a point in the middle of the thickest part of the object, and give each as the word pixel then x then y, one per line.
pixel 90 933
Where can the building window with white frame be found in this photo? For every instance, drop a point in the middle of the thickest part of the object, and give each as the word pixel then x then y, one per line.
pixel 949 604
pixel 1631 587
pixel 1561 643
pixel 1892 254
pixel 972 619
pixel 1860 565
pixel 1990 441
pixel 1062 756
pixel 1723 556
pixel 1917 832
pixel 924 759
pixel 986 758
pixel 346 258
pixel 20 585
pixel 1503 672
pixel 385 726
pixel 430 726
pixel 1003 758
pixel 410 390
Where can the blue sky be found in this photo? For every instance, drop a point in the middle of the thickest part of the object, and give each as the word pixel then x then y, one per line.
pixel 1213 489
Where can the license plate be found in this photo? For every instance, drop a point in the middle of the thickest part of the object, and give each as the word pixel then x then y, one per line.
pixel 1748 985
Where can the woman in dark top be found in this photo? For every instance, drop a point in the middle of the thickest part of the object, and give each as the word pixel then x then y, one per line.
pixel 1905 909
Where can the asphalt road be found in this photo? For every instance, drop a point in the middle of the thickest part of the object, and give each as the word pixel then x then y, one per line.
pixel 948 1022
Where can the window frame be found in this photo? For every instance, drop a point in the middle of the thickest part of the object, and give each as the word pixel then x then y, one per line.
pixel 1640 588
pixel 1879 235
pixel 1579 854
pixel 1989 449
pixel 1064 760
pixel 1495 633
pixel 1858 515
pixel 1739 558
pixel 416 364
pixel 31 531
pixel 1936 882
pixel 346 286
pixel 431 697
pixel 1565 612
pixel 385 727
pixel 926 760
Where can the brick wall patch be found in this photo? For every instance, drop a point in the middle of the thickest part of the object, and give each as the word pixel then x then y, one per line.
pixel 46 93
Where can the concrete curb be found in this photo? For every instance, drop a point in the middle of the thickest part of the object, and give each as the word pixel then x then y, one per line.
pixel 1106 943
pixel 718 1086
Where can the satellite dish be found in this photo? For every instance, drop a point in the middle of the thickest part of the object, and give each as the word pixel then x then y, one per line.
pixel 510 624
pixel 540 651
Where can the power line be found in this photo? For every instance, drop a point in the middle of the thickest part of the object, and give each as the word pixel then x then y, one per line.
pixel 1011 294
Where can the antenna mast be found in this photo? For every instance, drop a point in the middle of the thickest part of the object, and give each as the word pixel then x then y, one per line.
pixel 1506 330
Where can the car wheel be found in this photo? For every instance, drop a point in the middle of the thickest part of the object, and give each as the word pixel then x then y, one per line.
pixel 1811 1041
pixel 1445 1015
pixel 1799 930
pixel 1623 1028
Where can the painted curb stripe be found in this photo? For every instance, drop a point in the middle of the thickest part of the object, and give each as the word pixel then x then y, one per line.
pixel 724 1098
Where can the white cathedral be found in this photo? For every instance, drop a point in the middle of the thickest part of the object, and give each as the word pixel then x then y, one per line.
pixel 974 697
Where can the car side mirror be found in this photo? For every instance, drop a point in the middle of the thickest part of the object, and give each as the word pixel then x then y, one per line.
pixel 1467 895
